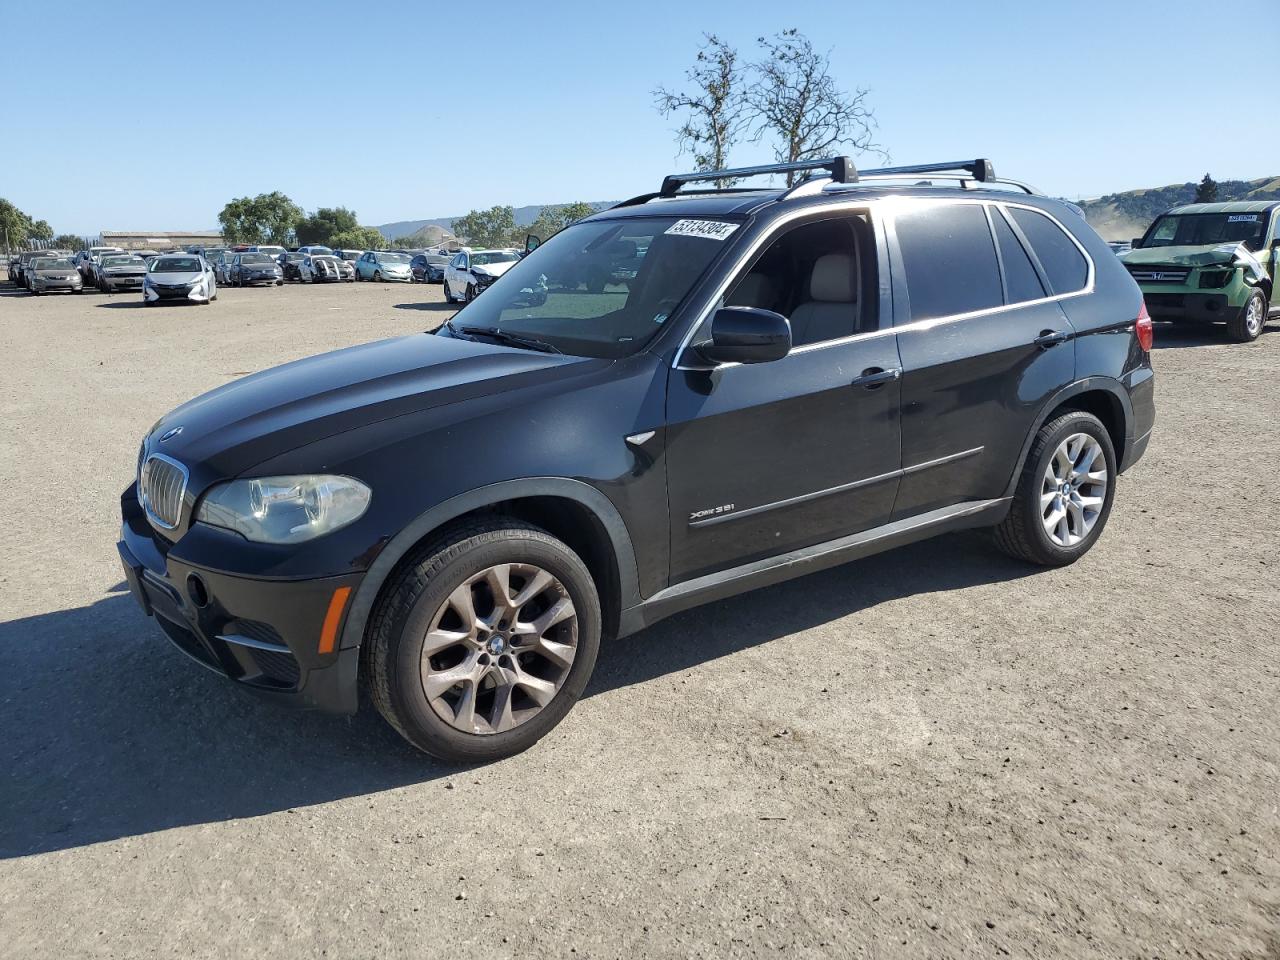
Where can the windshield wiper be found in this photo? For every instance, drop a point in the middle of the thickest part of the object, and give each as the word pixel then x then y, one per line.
pixel 513 339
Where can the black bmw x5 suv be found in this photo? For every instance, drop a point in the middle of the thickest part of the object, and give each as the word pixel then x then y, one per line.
pixel 771 382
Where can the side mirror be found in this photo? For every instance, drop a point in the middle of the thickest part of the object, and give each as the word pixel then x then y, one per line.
pixel 1275 244
pixel 1136 242
pixel 531 243
pixel 746 335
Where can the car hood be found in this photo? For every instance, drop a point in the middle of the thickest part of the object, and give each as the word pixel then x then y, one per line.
pixel 494 269
pixel 59 274
pixel 247 421
pixel 393 267
pixel 127 268
pixel 1209 255
pixel 175 277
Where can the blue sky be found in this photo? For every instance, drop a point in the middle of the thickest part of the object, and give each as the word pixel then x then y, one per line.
pixel 152 117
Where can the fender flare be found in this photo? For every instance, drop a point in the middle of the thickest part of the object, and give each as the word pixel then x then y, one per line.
pixel 1087 385
pixel 583 493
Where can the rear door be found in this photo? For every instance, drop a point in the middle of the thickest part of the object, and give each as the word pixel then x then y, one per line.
pixel 984 345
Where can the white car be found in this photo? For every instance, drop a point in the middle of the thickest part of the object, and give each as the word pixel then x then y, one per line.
pixel 179 276
pixel 325 268
pixel 471 271
pixel 85 261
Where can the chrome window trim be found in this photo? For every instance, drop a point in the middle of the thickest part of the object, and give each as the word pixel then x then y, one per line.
pixel 182 492
pixel 871 206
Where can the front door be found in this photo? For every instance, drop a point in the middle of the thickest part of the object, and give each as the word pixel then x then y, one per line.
pixel 766 458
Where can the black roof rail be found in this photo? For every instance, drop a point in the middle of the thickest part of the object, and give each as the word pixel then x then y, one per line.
pixel 841 168
pixel 980 169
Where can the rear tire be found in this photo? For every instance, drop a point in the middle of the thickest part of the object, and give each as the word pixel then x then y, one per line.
pixel 446 585
pixel 1031 531
pixel 1248 323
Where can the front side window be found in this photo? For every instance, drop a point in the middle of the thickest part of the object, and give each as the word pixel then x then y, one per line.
pixel 820 276
pixel 602 288
pixel 949 259
pixel 1063 263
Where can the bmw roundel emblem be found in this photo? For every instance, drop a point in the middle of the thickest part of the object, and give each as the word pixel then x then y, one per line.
pixel 170 434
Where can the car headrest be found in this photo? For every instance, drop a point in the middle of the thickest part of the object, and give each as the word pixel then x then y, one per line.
pixel 832 279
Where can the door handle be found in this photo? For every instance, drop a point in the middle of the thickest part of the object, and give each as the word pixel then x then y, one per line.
pixel 1051 338
pixel 873 378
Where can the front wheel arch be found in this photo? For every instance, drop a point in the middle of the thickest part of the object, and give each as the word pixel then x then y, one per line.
pixel 575 512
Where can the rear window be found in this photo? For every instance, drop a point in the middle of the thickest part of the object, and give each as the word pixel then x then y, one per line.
pixel 949 259
pixel 1064 264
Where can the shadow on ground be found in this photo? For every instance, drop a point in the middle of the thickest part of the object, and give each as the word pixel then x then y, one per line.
pixel 1174 336
pixel 110 732
pixel 434 306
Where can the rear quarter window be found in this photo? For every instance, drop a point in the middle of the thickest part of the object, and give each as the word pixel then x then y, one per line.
pixel 1064 264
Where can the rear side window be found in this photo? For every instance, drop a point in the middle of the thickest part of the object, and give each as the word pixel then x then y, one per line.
pixel 1064 264
pixel 949 259
pixel 1019 275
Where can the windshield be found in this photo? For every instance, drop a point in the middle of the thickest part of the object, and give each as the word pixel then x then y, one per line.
pixel 59 263
pixel 600 289
pixel 121 261
pixel 392 258
pixel 1203 229
pixel 492 256
pixel 175 265
pixel 254 258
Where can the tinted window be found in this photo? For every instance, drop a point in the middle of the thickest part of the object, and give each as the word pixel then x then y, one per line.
pixel 1019 275
pixel 1065 265
pixel 949 259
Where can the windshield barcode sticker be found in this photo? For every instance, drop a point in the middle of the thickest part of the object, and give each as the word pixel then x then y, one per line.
pixel 1243 218
pixel 707 229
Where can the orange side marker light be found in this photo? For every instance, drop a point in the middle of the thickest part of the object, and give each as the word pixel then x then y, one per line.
pixel 329 632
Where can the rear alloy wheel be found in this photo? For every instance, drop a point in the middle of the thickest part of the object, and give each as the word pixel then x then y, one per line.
pixel 483 644
pixel 1248 324
pixel 1064 492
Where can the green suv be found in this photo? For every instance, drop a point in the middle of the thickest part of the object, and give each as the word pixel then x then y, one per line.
pixel 1210 262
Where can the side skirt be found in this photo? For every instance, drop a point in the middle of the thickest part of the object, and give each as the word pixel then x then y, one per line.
pixel 820 556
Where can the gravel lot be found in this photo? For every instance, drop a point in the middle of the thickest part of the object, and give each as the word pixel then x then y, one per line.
pixel 937 752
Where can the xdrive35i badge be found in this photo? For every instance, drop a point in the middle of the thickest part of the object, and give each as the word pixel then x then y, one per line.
pixel 170 434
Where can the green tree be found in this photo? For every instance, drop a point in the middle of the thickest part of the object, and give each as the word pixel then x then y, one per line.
pixel 1207 191
pixel 712 105
pixel 40 230
pixel 15 226
pixel 551 220
pixel 494 227
pixel 793 99
pixel 68 241
pixel 326 223
pixel 361 238
pixel 266 218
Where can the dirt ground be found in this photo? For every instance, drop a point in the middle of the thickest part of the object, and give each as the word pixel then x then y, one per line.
pixel 937 752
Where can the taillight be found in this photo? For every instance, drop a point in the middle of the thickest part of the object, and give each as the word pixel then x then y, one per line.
pixel 1146 334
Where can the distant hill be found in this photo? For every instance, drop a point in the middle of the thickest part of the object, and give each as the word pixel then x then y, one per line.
pixel 1122 216
pixel 524 217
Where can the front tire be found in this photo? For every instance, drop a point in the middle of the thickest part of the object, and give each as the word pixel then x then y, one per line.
pixel 1248 323
pixel 484 641
pixel 1064 493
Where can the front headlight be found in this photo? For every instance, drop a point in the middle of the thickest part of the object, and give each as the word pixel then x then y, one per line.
pixel 285 509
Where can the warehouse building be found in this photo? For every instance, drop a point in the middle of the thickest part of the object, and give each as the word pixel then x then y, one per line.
pixel 160 239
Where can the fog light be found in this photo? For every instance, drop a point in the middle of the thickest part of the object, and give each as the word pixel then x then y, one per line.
pixel 197 591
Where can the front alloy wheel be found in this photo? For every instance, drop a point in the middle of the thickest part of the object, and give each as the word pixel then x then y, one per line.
pixel 1247 325
pixel 484 641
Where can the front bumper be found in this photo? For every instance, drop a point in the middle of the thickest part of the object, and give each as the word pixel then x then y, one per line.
pixel 155 293
pixel 1184 304
pixel 265 634
pixel 51 286
pixel 268 278
pixel 124 282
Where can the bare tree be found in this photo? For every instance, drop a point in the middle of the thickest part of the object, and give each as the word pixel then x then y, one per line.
pixel 793 98
pixel 712 107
